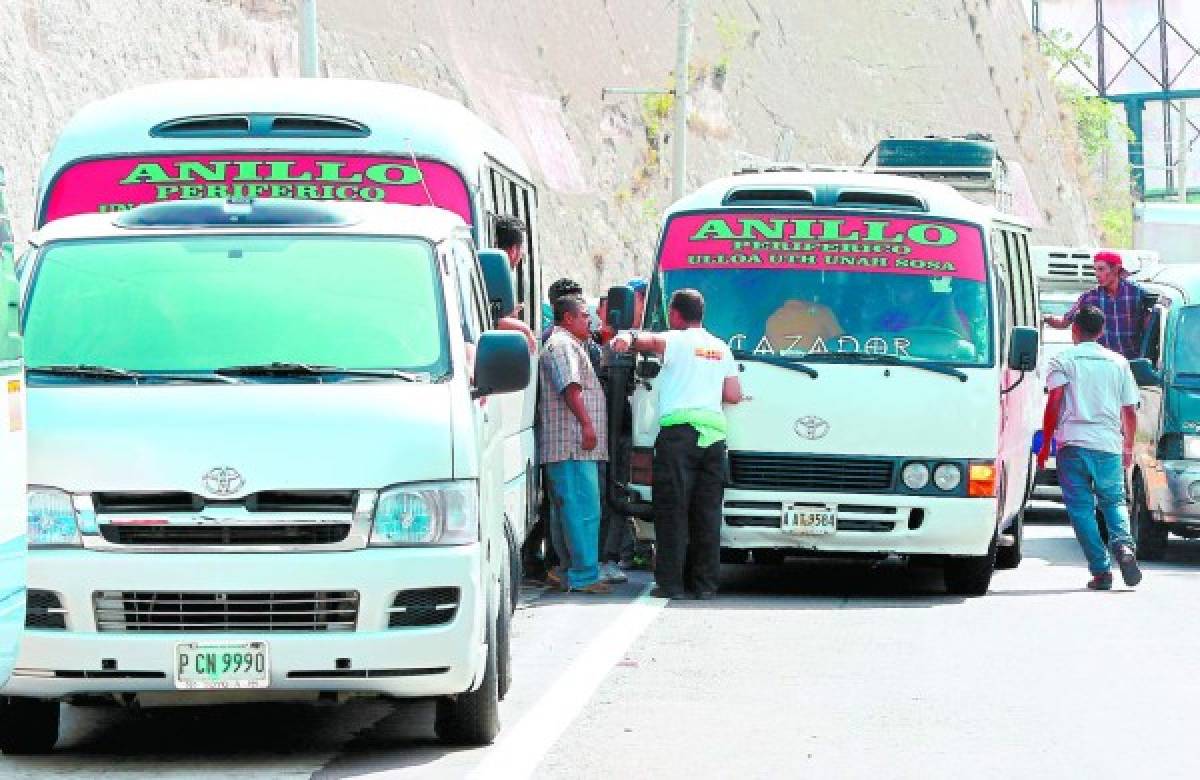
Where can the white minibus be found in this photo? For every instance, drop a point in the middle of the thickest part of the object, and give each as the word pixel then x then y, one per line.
pixel 883 326
pixel 265 462
pixel 310 139
pixel 12 455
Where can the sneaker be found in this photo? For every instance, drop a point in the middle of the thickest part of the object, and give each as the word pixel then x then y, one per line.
pixel 597 587
pixel 1100 581
pixel 611 573
pixel 555 581
pixel 1128 563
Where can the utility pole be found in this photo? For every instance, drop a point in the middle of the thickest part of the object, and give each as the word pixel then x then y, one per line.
pixel 683 47
pixel 1181 161
pixel 309 59
pixel 682 66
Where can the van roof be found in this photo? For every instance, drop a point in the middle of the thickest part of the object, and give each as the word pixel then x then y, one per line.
pixel 428 222
pixel 397 119
pixel 908 195
pixel 1184 277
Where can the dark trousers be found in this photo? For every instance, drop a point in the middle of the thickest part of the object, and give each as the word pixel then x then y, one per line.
pixel 688 493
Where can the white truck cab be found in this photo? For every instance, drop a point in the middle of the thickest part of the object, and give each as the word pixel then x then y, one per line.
pixel 264 462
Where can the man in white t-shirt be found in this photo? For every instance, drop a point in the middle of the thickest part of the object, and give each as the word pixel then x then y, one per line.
pixel 698 376
pixel 1092 411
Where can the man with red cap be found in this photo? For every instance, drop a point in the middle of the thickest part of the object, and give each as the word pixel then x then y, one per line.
pixel 1121 301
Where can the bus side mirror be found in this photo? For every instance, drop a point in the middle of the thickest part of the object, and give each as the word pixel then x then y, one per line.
pixel 498 278
pixel 621 303
pixel 10 314
pixel 1023 349
pixel 502 364
pixel 1144 373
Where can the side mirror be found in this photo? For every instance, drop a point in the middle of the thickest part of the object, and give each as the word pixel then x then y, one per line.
pixel 621 303
pixel 502 364
pixel 1144 373
pixel 1023 349
pixel 498 278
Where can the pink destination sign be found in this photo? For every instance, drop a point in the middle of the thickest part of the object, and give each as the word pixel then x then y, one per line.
pixel 117 184
pixel 822 241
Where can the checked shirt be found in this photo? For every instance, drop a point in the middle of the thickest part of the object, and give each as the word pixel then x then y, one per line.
pixel 1122 316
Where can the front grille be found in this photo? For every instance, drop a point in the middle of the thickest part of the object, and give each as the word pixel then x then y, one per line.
pixel 198 535
pixel 266 501
pixel 221 612
pixel 44 611
pixel 813 473
pixel 423 607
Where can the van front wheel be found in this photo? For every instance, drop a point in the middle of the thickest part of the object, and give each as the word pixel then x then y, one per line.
pixel 971 576
pixel 27 726
pixel 1149 537
pixel 473 718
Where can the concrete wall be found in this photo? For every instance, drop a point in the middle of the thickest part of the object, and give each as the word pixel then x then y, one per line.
pixel 837 80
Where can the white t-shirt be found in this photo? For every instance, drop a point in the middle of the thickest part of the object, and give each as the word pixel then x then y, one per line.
pixel 1098 383
pixel 694 370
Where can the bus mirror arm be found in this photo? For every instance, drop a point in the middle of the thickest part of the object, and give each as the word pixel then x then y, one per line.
pixel 1014 385
pixel 617 493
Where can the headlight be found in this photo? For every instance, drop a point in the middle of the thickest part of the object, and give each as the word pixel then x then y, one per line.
pixel 52 519
pixel 1191 446
pixel 947 476
pixel 915 476
pixel 427 513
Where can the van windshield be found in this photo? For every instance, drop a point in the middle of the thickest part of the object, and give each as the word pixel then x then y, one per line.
pixel 819 287
pixel 199 303
pixel 1187 342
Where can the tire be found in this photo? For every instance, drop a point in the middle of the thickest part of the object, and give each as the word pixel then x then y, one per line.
pixel 515 571
pixel 473 718
pixel 1010 557
pixel 732 555
pixel 28 726
pixel 971 576
pixel 1149 537
pixel 767 557
pixel 504 672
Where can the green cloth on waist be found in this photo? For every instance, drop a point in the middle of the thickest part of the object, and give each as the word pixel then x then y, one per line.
pixel 709 424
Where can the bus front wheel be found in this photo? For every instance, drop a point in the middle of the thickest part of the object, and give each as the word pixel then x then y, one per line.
pixel 27 726
pixel 971 575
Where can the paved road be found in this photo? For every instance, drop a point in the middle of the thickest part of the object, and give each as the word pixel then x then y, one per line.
pixel 828 669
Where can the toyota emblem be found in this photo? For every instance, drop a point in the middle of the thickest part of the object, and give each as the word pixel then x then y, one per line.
pixel 223 481
pixel 811 428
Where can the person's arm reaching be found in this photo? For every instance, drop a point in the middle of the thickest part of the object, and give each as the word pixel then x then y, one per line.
pixel 639 342
pixel 1128 432
pixel 573 396
pixel 1050 423
pixel 731 391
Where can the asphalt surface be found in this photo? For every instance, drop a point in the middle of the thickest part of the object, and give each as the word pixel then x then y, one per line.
pixel 819 668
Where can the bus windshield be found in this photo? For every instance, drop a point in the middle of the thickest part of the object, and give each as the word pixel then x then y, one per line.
pixel 1187 342
pixel 818 286
pixel 199 303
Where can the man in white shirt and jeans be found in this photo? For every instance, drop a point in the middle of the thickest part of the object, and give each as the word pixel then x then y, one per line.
pixel 1092 410
pixel 698 375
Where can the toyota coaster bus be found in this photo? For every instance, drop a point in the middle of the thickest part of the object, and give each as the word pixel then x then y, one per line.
pixel 883 326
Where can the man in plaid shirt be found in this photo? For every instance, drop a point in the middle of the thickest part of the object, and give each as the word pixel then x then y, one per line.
pixel 1121 302
pixel 573 438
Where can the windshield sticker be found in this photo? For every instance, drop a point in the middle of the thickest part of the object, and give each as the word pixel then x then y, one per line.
pixel 122 183
pixel 823 242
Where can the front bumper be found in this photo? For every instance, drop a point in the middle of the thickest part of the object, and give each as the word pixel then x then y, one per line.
pixel 1169 493
pixel 372 659
pixel 867 524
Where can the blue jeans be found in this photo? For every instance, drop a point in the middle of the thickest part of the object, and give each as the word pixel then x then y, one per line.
pixel 1088 477
pixel 575 501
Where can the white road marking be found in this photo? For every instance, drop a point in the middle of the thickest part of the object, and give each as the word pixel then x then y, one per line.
pixel 521 748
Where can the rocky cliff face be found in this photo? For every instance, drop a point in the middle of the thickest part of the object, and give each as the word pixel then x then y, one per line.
pixel 823 81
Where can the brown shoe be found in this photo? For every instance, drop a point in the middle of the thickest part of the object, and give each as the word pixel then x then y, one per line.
pixel 555 581
pixel 598 587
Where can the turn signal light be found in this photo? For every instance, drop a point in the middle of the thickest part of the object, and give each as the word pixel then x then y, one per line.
pixel 641 466
pixel 981 480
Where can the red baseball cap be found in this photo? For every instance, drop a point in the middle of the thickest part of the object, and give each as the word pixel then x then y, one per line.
pixel 1112 258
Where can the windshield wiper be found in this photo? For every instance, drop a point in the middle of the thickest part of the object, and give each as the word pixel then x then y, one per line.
pixel 86 370
pixel 307 369
pixel 892 360
pixel 792 364
pixel 168 376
